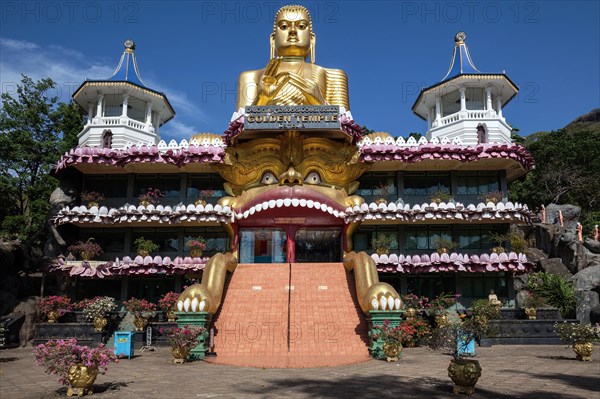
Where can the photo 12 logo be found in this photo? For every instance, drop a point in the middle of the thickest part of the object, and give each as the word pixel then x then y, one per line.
pixel 70 12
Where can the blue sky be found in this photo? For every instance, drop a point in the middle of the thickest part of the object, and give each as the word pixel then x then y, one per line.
pixel 194 51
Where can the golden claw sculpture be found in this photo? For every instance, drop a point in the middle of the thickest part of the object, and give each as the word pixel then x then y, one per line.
pixel 372 295
pixel 206 296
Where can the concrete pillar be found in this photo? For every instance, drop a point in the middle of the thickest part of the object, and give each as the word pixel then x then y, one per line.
pixel 438 108
pixel 148 113
pixel 488 95
pixel 125 103
pixel 90 113
pixel 499 105
pixel 99 106
pixel 463 99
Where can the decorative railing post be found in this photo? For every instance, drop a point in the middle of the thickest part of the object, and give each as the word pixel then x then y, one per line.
pixel 376 319
pixel 196 319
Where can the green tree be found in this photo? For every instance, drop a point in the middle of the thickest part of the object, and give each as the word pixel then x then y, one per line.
pixel 31 142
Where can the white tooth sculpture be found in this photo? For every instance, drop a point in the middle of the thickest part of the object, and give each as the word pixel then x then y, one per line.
pixel 398 303
pixel 180 305
pixel 390 302
pixel 374 303
pixel 194 304
pixel 202 306
pixel 186 305
pixel 383 303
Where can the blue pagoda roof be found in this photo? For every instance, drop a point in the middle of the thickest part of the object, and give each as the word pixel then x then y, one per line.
pixel 461 62
pixel 127 70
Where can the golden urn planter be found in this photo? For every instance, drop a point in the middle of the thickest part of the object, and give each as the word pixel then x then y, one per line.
pixel 81 379
pixel 196 253
pixel 140 323
pixel 53 316
pixel 200 202
pixel 171 316
pixel 441 319
pixel 464 373
pixel 392 350
pixel 180 354
pixel 531 313
pixel 410 313
pixel 99 323
pixel 583 350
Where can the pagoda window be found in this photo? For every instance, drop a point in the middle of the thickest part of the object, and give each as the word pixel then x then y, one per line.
pixel 216 239
pixel 420 186
pixel 168 184
pixel 378 185
pixel 431 285
pixel 210 181
pixel 136 109
pixel 476 240
pixel 112 241
pixel 470 186
pixel 362 239
pixel 475 98
pixel 425 239
pixel 113 187
pixel 451 103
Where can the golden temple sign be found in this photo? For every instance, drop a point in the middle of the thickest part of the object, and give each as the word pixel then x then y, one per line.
pixel 275 117
pixel 291 220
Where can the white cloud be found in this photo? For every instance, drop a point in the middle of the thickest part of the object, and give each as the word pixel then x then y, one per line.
pixel 176 130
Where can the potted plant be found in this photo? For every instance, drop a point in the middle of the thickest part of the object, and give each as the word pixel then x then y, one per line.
pixel 532 301
pixel 167 303
pixel 392 339
pixel 98 309
pixel 183 340
pixel 441 196
pixel 453 338
pixel 439 307
pixel 87 250
pixel 580 336
pixel 144 247
pixel 139 308
pixel 444 246
pixel 196 246
pixel 151 196
pixel 93 198
pixel 483 311
pixel 381 243
pixel 77 366
pixel 493 196
pixel 204 196
pixel 382 190
pixel 55 306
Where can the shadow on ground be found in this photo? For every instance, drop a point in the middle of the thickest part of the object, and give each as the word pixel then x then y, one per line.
pixel 382 387
pixel 98 388
pixel 7 359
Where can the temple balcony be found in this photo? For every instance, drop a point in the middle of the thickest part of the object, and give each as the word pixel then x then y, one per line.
pixel 472 127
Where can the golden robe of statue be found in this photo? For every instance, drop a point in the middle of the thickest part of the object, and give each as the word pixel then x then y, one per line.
pixel 288 79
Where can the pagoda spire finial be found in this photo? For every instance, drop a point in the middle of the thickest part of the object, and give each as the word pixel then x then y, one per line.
pixel 461 62
pixel 127 70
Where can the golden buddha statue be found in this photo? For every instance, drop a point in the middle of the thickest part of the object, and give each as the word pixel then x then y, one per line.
pixel 288 79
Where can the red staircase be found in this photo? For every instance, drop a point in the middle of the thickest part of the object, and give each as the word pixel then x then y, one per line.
pixel 326 326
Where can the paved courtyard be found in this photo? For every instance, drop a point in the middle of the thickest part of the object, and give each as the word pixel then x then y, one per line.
pixel 530 372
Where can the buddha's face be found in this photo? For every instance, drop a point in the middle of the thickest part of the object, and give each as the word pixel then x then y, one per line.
pixel 292 33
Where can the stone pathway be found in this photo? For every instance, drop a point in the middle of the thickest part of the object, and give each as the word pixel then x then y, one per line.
pixel 528 372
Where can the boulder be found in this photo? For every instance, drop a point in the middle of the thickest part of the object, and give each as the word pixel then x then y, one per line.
pixel 570 213
pixel 555 266
pixel 520 282
pixel 592 245
pixel 587 280
pixel 29 309
pixel 586 302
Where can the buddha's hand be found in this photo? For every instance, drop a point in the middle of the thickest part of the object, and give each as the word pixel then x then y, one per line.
pixel 268 86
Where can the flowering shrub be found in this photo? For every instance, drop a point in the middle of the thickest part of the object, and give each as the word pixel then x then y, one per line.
pixel 151 196
pixel 99 307
pixel 442 303
pixel 393 335
pixel 84 303
pixel 575 332
pixel 92 196
pixel 416 329
pixel 55 303
pixel 168 301
pixel 137 307
pixel 58 356
pixel 533 300
pixel 492 196
pixel 185 337
pixel 414 301
pixel 198 243
pixel 87 250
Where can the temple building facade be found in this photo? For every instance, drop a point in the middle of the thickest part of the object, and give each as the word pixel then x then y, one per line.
pixel 294 181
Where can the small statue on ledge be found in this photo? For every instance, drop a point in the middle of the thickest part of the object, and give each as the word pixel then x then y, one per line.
pixel 543 214
pixel 493 299
pixel 595 232
pixel 579 231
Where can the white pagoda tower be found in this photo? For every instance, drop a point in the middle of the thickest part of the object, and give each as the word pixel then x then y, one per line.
pixel 467 104
pixel 122 110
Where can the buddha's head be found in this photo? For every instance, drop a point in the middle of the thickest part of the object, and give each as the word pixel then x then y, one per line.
pixel 292 33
